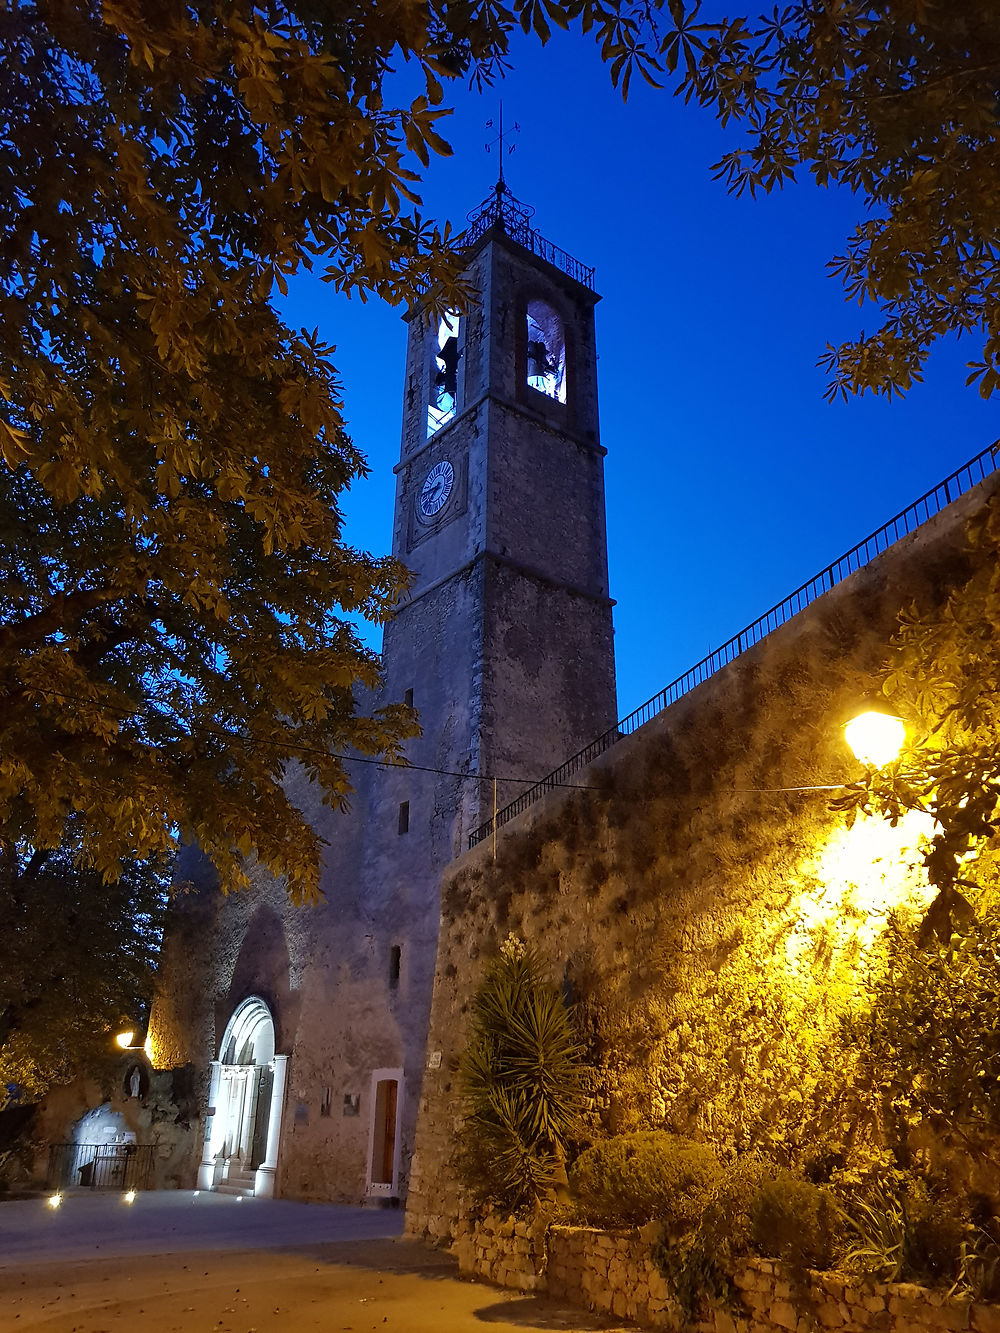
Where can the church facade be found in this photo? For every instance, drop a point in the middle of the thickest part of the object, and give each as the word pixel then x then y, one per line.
pixel 308 1025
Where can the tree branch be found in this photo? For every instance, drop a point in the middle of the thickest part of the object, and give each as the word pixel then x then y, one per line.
pixel 64 608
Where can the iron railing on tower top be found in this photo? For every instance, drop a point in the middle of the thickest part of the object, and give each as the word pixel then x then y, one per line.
pixel 509 215
pixel 960 481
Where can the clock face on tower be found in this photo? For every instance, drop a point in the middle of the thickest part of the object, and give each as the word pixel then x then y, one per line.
pixel 436 489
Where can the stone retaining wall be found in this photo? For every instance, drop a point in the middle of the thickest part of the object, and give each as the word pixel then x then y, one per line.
pixel 505 1251
pixel 612 1272
pixel 713 921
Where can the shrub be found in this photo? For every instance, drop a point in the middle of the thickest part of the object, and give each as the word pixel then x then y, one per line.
pixel 794 1220
pixel 726 1225
pixel 635 1178
pixel 935 1233
pixel 698 1267
pixel 932 1040
pixel 755 1206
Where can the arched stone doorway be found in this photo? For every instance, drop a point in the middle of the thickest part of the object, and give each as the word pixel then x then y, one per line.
pixel 246 1097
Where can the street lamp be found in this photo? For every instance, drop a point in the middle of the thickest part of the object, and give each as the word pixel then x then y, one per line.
pixel 125 1039
pixel 875 738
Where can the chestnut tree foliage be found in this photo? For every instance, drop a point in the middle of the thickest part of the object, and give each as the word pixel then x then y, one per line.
pixel 175 584
pixel 78 956
pixel 896 100
pixel 944 680
pixel 174 625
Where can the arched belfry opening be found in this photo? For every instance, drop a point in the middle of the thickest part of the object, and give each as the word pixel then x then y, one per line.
pixel 246 1099
pixel 444 387
pixel 546 351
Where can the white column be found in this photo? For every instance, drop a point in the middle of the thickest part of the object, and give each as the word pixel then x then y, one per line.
pixel 214 1121
pixel 263 1183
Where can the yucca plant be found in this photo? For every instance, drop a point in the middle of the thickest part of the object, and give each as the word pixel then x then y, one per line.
pixel 879 1226
pixel 520 1079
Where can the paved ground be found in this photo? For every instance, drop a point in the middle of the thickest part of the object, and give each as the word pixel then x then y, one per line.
pixel 91 1225
pixel 173 1262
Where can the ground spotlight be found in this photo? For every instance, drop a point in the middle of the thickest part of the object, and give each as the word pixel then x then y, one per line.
pixel 54 1200
pixel 128 1196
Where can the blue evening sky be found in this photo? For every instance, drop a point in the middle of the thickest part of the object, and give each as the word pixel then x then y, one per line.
pixel 729 480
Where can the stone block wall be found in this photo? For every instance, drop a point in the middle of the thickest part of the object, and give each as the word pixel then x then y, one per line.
pixel 612 1272
pixel 506 1250
pixel 711 918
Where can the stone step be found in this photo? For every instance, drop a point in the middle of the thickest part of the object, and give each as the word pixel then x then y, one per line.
pixel 237 1182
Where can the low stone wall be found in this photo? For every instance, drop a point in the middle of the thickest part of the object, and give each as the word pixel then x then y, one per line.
pixel 612 1272
pixel 505 1251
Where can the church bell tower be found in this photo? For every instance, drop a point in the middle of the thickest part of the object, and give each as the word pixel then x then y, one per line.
pixel 506 635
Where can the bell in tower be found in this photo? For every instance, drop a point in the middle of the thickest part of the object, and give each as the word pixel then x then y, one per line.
pixel 444 386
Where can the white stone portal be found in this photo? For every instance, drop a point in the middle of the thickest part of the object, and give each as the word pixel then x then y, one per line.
pixel 245 1101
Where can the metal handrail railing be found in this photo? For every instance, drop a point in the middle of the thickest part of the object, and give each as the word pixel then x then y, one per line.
pixel 100 1166
pixel 929 504
pixel 513 218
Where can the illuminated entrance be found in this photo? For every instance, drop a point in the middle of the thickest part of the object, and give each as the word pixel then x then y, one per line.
pixel 246 1098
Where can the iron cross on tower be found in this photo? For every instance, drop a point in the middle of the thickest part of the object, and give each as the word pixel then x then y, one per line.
pixel 499 139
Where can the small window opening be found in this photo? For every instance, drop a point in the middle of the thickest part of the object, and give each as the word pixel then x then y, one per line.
pixel 444 385
pixel 546 362
pixel 408 698
pixel 394 956
pixel 404 817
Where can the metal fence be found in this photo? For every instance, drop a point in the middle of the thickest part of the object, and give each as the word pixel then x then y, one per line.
pixel 100 1166
pixel 960 481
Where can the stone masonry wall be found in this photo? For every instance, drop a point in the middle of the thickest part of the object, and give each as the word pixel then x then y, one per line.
pixel 711 919
pixel 612 1272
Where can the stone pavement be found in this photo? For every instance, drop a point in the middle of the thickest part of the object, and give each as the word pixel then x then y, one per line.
pixel 177 1262
pixel 92 1225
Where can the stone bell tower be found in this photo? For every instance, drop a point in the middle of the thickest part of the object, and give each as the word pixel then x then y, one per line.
pixel 500 515
pixel 504 642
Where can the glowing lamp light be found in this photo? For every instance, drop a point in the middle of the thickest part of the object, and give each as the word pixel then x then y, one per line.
pixel 54 1200
pixel 128 1196
pixel 875 738
pixel 125 1039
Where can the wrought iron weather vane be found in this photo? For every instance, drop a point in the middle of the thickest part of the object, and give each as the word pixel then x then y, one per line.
pixel 500 209
pixel 499 142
